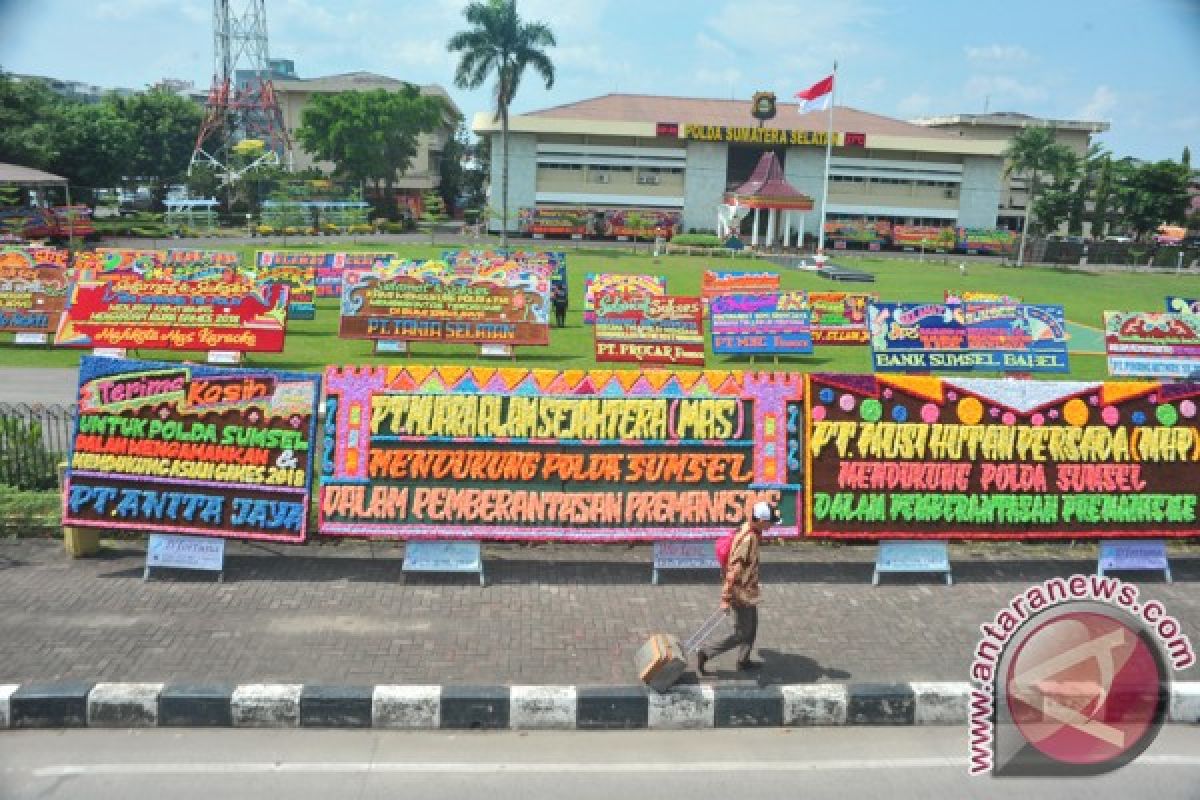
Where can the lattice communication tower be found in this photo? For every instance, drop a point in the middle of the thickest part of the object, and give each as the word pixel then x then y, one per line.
pixel 246 109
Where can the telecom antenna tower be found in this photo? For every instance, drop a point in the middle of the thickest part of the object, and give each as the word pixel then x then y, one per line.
pixel 239 111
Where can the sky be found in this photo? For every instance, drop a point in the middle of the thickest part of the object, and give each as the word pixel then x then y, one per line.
pixel 1135 65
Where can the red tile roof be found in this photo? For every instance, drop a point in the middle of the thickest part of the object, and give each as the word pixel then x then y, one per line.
pixel 768 188
pixel 656 108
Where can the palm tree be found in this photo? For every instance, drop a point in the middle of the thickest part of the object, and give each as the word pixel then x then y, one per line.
pixel 1031 152
pixel 499 42
pixel 1102 197
pixel 1064 169
pixel 1091 167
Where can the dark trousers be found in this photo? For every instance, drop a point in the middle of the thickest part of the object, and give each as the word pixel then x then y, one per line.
pixel 560 316
pixel 745 629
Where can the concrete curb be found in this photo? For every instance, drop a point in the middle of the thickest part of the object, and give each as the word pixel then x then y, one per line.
pixel 6 693
pixel 139 705
pixel 266 705
pixel 123 705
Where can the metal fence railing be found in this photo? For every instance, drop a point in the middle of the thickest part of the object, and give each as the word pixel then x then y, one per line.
pixel 34 439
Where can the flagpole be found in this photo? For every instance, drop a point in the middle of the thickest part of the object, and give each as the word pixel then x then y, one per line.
pixel 825 180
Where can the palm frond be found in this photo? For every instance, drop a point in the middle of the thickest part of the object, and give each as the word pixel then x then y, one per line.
pixel 541 62
pixel 535 34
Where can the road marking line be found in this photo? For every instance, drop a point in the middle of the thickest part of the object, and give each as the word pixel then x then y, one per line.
pixel 497 768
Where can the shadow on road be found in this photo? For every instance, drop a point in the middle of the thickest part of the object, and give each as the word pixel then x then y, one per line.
pixel 777 668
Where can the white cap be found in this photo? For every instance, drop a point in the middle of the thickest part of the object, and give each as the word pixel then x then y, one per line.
pixel 763 512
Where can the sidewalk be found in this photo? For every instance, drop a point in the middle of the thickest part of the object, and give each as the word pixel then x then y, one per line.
pixel 343 614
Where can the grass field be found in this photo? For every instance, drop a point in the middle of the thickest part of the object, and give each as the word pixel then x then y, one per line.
pixel 313 344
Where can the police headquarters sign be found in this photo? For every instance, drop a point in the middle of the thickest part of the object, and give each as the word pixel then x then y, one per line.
pixel 769 136
pixel 1072 678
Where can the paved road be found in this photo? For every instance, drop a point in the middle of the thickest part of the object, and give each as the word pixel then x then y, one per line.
pixel 382 241
pixel 552 614
pixel 901 764
pixel 48 386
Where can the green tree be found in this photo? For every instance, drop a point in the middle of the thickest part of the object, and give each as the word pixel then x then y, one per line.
pixel 1153 194
pixel 204 181
pixel 453 176
pixel 1186 158
pixel 95 145
pixel 475 179
pixel 1032 153
pixel 370 136
pixel 28 114
pixel 1102 197
pixel 1091 165
pixel 1054 206
pixel 499 43
pixel 165 126
pixel 1077 207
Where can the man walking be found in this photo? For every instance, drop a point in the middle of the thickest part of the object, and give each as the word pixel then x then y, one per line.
pixel 740 590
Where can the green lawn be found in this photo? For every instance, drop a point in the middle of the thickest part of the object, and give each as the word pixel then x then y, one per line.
pixel 312 344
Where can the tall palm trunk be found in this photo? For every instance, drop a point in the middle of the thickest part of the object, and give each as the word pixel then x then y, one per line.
pixel 504 178
pixel 1028 216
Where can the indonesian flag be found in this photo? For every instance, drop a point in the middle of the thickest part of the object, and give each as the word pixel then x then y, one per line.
pixel 816 97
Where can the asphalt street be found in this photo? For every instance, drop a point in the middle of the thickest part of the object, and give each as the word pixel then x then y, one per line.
pixel 50 386
pixel 897 763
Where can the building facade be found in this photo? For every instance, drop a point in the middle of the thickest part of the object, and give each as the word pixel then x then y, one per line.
pixel 1002 127
pixel 76 91
pixel 654 153
pixel 422 175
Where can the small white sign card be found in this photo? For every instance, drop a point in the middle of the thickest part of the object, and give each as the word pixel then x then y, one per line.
pixel 168 551
pixel 496 350
pixel 903 555
pixel 443 556
pixel 228 357
pixel 684 554
pixel 29 338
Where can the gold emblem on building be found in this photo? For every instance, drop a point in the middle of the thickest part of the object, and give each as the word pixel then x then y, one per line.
pixel 762 106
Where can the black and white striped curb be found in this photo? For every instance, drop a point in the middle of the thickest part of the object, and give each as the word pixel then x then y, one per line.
pixel 259 705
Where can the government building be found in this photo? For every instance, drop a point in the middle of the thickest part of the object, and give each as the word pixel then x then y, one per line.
pixel 682 159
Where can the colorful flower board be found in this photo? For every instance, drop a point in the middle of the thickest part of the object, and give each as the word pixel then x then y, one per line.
pixel 647 329
pixel 175 315
pixel 596 283
pixel 578 455
pixel 1183 305
pixel 330 267
pixel 987 337
pixel 295 269
pixel 432 301
pixel 33 290
pixel 719 282
pixel 192 449
pixel 910 456
pixel 839 318
pixel 778 323
pixel 1145 344
pixel 482 260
